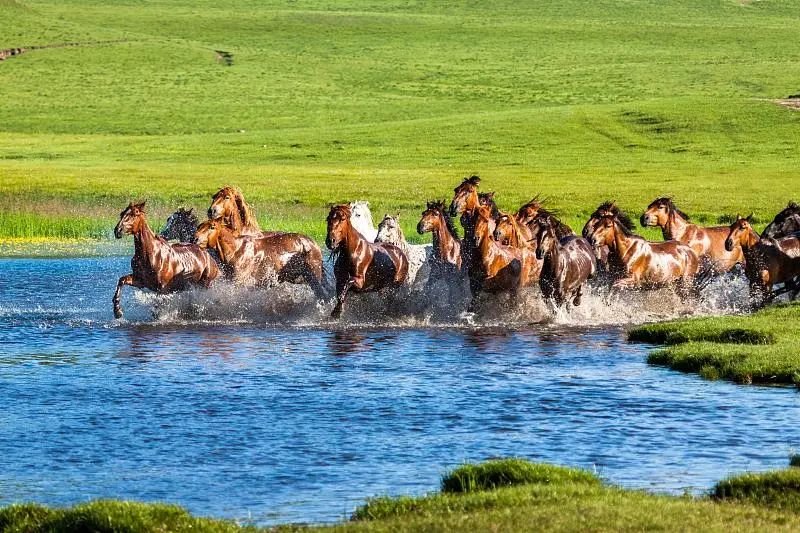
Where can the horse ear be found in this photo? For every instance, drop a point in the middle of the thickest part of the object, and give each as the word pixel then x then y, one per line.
pixel 190 211
pixel 750 217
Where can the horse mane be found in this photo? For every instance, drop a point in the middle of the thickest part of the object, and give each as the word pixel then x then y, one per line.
pixel 487 198
pixel 472 180
pixel 619 222
pixel 245 211
pixel 439 205
pixel 610 206
pixel 667 200
pixel 516 233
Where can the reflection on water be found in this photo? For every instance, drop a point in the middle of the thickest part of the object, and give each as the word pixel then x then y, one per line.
pixel 245 417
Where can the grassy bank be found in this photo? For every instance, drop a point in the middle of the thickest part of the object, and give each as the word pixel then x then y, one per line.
pixel 760 348
pixel 503 495
pixel 393 103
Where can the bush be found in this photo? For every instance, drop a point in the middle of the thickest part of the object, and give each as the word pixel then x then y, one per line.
pixel 509 472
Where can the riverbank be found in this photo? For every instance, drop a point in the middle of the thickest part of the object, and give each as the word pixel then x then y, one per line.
pixel 762 347
pixel 500 495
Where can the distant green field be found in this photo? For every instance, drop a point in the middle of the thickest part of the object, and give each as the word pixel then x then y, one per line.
pixel 393 102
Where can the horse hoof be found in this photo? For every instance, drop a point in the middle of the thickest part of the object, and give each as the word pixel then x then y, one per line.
pixel 117 313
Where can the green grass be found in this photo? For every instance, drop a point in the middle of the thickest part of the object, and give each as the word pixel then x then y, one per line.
pixel 760 348
pixel 541 497
pixel 394 102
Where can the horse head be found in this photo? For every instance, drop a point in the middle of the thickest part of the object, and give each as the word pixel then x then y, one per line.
pixel 465 196
pixel 130 220
pixel 660 211
pixel 389 231
pixel 338 226
pixel 785 222
pixel 741 234
pixel 361 219
pixel 545 236
pixel 228 204
pixel 181 225
pixel 207 233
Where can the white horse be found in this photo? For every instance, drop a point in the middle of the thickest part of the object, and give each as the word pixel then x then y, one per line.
pixel 419 255
pixel 361 219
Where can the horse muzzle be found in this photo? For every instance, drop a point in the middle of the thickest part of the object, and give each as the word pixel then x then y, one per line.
pixel 119 231
pixel 645 220
pixel 539 253
pixel 331 244
pixel 421 229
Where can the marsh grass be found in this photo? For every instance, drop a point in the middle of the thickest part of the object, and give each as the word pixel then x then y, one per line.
pixel 760 348
pixel 779 489
pixel 500 473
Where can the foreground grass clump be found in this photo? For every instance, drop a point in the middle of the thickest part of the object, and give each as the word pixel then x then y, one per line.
pixel 778 489
pixel 109 516
pixel 760 348
pixel 500 473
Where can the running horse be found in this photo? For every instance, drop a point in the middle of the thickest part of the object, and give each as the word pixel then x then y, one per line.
pixel 707 243
pixel 567 263
pixel 229 205
pixel 158 265
pixel 497 267
pixel 765 263
pixel 465 202
pixel 446 260
pixel 360 265
pixel 419 255
pixel 646 264
pixel 509 232
pixel 180 226
pixel 609 268
pixel 261 259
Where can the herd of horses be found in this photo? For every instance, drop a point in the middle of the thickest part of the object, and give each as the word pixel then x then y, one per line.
pixel 498 252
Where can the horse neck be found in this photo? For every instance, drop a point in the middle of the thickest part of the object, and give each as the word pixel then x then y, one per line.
pixel 483 241
pixel 751 240
pixel 622 242
pixel 675 227
pixel 352 240
pixel 443 240
pixel 236 220
pixel 144 240
pixel 227 245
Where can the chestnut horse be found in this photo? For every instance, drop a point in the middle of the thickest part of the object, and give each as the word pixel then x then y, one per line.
pixel 509 232
pixel 785 223
pixel 765 263
pixel 261 259
pixel 361 265
pixel 707 243
pixel 567 263
pixel 446 260
pixel 228 204
pixel 498 268
pixel 158 265
pixel 609 268
pixel 646 264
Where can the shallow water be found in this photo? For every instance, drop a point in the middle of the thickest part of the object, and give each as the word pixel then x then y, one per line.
pixel 267 412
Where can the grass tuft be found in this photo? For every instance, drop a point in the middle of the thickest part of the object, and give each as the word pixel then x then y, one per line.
pixel 499 473
pixel 776 489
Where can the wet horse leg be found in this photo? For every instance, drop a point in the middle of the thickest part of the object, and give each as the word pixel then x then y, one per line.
pixel 341 295
pixel 129 279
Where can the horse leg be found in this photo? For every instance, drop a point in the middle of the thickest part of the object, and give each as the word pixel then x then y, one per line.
pixel 310 277
pixel 341 295
pixel 576 301
pixel 124 280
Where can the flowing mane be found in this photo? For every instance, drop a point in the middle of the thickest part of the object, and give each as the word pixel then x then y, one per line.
pixel 610 207
pixel 245 211
pixel 670 205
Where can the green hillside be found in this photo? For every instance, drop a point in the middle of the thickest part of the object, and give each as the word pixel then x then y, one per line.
pixel 393 102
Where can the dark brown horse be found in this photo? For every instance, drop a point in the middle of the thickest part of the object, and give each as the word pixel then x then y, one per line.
pixel 567 263
pixel 707 243
pixel 158 265
pixel 785 223
pixel 765 263
pixel 646 264
pixel 465 203
pixel 609 268
pixel 180 226
pixel 446 245
pixel 361 265
pixel 229 205
pixel 261 260
pixel 498 268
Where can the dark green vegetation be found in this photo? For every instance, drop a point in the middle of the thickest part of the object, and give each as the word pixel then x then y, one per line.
pixel 393 102
pixel 760 348
pixel 533 497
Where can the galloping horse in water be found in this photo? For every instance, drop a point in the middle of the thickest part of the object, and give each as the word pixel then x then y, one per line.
pixel 765 263
pixel 361 265
pixel 609 267
pixel 509 232
pixel 419 255
pixel 707 243
pixel 180 226
pixel 260 259
pixel 465 203
pixel 446 260
pixel 567 263
pixel 498 268
pixel 158 265
pixel 646 264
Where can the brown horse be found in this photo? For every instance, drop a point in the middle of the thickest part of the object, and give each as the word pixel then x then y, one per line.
pixel 446 246
pixel 646 264
pixel 262 259
pixel 765 263
pixel 499 268
pixel 527 214
pixel 361 265
pixel 158 265
pixel 707 243
pixel 228 204
pixel 567 263
pixel 609 267
pixel 465 202
pixel 509 232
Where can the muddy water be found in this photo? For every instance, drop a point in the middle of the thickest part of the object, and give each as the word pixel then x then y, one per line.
pixel 255 407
